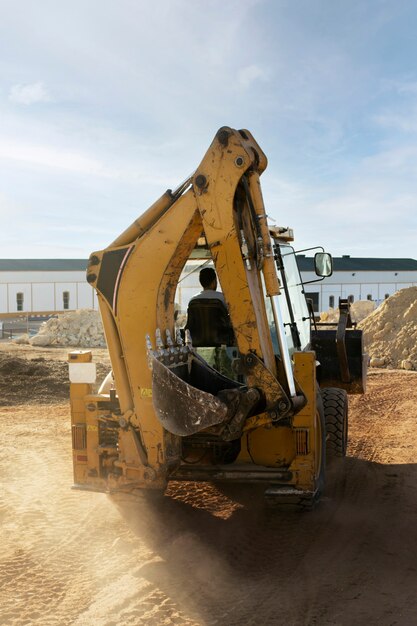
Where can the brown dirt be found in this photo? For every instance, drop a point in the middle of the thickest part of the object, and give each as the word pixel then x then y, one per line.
pixel 29 374
pixel 206 555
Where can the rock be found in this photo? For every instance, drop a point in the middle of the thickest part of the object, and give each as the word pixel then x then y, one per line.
pixel 406 365
pixel 377 361
pixel 41 339
pixel 22 339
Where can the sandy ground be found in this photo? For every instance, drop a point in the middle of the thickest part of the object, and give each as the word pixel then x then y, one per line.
pixel 207 555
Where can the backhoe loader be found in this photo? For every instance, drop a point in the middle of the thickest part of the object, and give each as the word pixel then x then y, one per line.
pixel 172 414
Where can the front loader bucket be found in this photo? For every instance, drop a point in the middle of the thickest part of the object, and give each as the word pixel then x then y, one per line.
pixel 185 395
pixel 348 373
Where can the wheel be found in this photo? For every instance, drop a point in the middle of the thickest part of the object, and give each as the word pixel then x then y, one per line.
pixel 335 405
pixel 320 434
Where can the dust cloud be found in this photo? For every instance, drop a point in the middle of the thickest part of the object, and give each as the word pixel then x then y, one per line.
pixel 206 554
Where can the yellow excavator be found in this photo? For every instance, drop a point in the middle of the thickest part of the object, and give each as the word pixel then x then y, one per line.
pixel 171 413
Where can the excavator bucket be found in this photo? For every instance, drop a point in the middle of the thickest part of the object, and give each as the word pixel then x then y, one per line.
pixel 182 408
pixel 190 396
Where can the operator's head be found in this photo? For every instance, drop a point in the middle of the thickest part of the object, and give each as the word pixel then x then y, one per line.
pixel 208 278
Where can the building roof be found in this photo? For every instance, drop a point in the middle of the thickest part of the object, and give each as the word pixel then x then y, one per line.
pixel 361 264
pixel 306 264
pixel 43 265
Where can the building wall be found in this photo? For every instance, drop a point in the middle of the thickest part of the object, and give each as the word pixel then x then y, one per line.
pixel 43 291
pixel 360 285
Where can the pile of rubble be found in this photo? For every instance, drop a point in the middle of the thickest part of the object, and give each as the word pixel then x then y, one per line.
pixel 390 332
pixel 75 328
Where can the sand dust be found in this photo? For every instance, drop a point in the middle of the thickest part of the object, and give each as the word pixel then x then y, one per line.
pixel 205 554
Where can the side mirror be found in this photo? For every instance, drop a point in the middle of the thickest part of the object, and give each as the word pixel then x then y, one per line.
pixel 323 264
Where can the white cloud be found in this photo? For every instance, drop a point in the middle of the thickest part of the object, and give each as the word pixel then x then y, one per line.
pixel 138 169
pixel 403 122
pixel 50 157
pixel 316 97
pixel 247 75
pixel 29 94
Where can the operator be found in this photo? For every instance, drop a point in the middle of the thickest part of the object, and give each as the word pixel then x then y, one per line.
pixel 207 316
pixel 208 281
pixel 209 324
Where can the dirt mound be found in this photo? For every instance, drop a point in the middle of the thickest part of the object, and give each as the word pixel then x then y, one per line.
pixel 21 380
pixel 24 381
pixel 75 328
pixel 390 332
pixel 358 310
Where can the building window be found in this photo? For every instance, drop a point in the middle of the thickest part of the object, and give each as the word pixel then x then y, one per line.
pixel 331 302
pixel 19 301
pixel 314 297
pixel 369 296
pixel 351 299
pixel 66 298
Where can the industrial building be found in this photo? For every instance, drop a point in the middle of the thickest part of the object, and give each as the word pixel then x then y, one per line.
pixel 35 285
pixel 356 278
pixel 48 285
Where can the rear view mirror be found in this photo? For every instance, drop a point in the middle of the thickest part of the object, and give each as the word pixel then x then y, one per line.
pixel 323 264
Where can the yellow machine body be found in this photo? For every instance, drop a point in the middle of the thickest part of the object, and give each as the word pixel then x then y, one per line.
pixel 120 441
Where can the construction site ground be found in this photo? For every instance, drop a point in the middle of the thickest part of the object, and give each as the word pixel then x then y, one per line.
pixel 204 554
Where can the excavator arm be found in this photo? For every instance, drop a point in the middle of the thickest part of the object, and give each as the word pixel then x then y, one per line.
pixel 165 391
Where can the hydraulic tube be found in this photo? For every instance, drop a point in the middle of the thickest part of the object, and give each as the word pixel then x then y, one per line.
pixel 268 269
pixel 152 215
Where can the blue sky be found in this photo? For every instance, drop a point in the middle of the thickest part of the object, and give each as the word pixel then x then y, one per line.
pixel 104 105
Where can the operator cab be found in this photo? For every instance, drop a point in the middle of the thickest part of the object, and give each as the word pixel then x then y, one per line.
pixel 293 300
pixel 208 321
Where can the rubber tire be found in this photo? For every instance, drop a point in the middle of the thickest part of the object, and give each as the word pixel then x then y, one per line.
pixel 321 479
pixel 335 406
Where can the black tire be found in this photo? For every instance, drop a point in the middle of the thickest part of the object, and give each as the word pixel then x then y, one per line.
pixel 321 443
pixel 335 406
